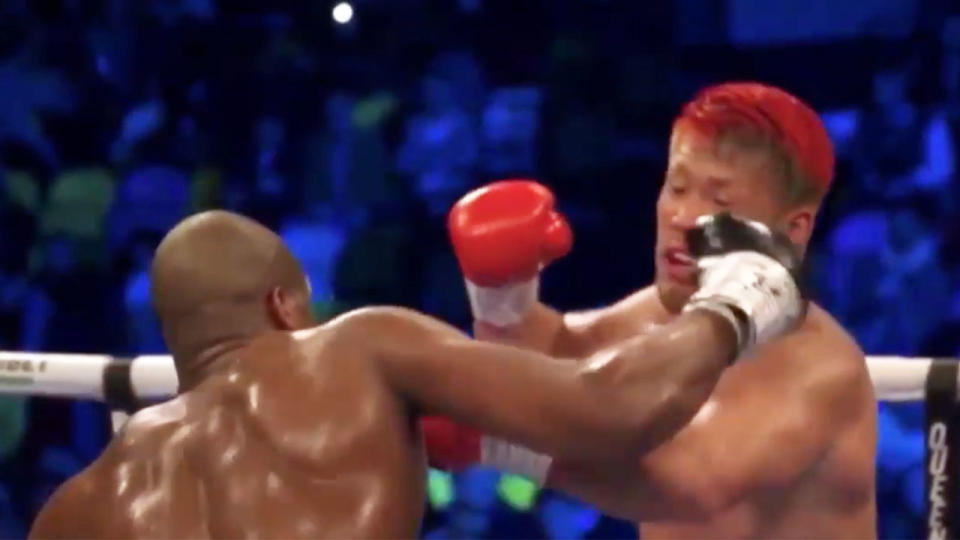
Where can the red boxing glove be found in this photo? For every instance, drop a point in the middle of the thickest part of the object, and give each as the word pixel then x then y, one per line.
pixel 503 234
pixel 507 231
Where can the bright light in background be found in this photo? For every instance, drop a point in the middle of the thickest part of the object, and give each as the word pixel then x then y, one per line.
pixel 343 12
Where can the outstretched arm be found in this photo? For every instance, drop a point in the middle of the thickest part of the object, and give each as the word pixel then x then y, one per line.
pixel 620 401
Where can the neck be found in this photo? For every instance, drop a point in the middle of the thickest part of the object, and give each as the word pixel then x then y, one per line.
pixel 194 369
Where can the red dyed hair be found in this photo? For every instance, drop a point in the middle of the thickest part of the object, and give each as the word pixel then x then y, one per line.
pixel 771 114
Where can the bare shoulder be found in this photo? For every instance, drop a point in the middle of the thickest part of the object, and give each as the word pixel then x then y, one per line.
pixel 633 315
pixel 820 357
pixel 357 346
pixel 161 430
pixel 369 323
pixel 68 512
pixel 151 422
pixel 823 343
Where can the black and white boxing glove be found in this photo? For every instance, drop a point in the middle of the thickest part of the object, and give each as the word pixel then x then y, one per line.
pixel 749 275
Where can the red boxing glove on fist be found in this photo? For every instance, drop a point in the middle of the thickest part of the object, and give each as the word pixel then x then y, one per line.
pixel 503 234
pixel 507 231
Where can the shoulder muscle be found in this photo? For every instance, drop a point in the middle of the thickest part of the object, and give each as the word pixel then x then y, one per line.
pixel 592 330
pixel 68 512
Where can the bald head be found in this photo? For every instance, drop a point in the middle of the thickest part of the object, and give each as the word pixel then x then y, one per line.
pixel 219 276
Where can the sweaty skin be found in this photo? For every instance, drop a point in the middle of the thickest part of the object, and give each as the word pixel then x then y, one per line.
pixel 284 429
pixel 785 447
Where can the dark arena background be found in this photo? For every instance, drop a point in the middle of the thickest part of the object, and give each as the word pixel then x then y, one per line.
pixel 350 128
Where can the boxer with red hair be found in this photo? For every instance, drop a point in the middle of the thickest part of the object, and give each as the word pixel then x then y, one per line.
pixel 785 445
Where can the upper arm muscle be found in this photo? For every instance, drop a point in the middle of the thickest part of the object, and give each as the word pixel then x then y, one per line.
pixel 517 394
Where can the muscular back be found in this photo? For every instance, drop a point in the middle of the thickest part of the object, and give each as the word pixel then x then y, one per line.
pixel 298 437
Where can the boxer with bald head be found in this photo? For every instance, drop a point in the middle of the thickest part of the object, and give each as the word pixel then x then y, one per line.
pixel 285 429
pixel 785 445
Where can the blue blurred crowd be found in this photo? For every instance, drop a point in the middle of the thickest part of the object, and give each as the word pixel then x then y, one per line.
pixel 119 118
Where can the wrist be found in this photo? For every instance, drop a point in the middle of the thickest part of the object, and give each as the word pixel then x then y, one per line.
pixel 504 305
pixel 730 323
pixel 754 292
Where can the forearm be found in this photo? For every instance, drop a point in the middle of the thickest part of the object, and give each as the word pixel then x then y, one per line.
pixel 668 373
pixel 545 404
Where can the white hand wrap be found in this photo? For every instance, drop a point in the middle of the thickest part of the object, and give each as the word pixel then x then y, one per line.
pixel 514 459
pixel 757 285
pixel 505 305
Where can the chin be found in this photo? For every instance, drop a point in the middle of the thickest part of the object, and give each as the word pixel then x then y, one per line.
pixel 673 296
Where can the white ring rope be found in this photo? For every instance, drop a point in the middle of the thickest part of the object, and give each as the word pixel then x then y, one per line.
pixel 81 376
pixel 152 377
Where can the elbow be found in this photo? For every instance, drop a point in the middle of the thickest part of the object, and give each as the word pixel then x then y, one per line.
pixel 701 497
pixel 689 495
pixel 712 499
